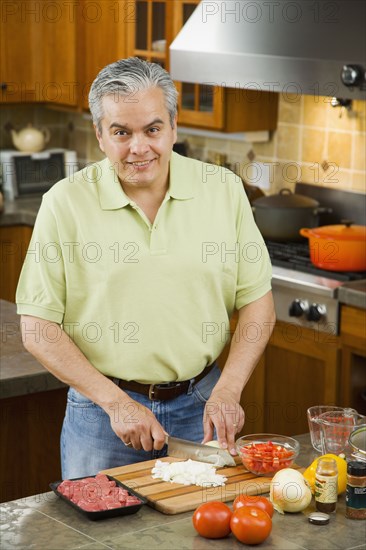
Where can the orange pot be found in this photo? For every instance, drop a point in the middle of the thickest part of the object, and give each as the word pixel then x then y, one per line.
pixel 337 247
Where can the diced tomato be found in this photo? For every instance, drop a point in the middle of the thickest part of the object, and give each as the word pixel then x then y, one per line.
pixel 266 458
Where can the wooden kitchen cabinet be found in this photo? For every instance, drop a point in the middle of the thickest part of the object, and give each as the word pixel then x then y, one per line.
pixel 147 38
pixel 353 365
pixel 14 241
pixel 205 106
pixel 299 368
pixel 59 53
pixel 20 53
pixel 103 38
pixel 52 51
pixel 30 443
pixel 38 52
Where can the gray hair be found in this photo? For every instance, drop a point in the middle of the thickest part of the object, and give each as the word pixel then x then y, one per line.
pixel 126 77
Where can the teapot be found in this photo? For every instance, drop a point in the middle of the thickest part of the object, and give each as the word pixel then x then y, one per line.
pixel 30 139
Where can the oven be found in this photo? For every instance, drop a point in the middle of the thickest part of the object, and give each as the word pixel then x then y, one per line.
pixel 305 295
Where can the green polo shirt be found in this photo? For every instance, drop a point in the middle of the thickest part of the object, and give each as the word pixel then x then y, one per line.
pixel 146 302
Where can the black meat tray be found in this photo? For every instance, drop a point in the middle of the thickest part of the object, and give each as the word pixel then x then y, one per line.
pixel 103 514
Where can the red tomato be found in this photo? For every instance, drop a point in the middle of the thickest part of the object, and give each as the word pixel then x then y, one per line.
pixel 264 458
pixel 255 501
pixel 212 520
pixel 250 525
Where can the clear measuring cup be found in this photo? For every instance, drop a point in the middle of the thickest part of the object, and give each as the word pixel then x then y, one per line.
pixel 336 427
pixel 313 414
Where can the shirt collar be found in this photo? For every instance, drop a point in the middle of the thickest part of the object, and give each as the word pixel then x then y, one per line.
pixel 181 179
pixel 112 196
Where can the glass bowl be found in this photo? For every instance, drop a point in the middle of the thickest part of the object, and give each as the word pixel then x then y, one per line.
pixel 266 454
pixel 357 441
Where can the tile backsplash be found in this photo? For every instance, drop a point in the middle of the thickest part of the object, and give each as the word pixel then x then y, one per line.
pixel 314 143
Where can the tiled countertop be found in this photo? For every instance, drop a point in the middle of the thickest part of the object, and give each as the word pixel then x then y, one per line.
pixel 20 372
pixel 44 521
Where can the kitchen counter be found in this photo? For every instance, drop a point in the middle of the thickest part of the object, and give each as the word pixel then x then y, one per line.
pixel 44 521
pixel 353 294
pixel 21 211
pixel 20 372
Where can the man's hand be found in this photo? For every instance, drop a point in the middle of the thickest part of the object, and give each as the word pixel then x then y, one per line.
pixel 136 425
pixel 223 412
pixel 133 423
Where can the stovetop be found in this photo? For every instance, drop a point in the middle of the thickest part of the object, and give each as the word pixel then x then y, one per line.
pixel 295 256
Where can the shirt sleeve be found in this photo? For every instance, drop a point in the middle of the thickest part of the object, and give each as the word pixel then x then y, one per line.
pixel 255 269
pixel 41 287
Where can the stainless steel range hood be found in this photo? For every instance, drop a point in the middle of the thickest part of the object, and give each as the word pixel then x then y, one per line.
pixel 285 46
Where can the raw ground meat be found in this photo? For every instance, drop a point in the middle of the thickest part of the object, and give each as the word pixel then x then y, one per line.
pixel 94 494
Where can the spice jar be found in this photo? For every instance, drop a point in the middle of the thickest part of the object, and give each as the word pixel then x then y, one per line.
pixel 326 485
pixel 356 490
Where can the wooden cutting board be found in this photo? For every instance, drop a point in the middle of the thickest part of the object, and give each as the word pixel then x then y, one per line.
pixel 174 498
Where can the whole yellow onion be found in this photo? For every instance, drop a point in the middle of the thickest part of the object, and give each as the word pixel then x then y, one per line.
pixel 289 491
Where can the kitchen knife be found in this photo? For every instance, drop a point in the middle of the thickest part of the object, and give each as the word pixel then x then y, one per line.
pixel 181 448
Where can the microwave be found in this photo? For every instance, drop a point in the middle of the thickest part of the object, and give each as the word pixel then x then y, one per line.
pixel 25 174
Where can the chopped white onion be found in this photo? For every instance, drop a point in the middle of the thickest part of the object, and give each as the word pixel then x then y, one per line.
pixel 188 472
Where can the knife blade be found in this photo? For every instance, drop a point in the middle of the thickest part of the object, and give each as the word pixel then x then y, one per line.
pixel 181 448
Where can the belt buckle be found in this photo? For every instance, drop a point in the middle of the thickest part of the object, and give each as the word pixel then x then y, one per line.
pixel 167 385
pixel 151 392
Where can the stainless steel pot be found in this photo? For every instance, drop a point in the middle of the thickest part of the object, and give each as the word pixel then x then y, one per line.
pixel 280 217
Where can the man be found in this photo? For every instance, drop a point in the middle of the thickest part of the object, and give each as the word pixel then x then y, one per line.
pixel 135 267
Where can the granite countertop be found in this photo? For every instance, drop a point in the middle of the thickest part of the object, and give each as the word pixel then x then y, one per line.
pixel 44 521
pixel 21 211
pixel 353 294
pixel 20 372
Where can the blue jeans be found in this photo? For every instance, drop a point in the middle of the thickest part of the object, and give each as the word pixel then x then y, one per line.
pixel 88 443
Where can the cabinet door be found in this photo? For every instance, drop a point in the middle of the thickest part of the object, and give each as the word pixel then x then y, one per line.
pixel 38 52
pixel 302 369
pixel 353 375
pixel 157 22
pixel 30 443
pixel 14 241
pixel 198 104
pixel 147 38
pixel 59 53
pixel 103 28
pixel 21 28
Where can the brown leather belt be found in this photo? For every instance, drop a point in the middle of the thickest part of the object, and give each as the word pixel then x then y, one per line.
pixel 161 392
